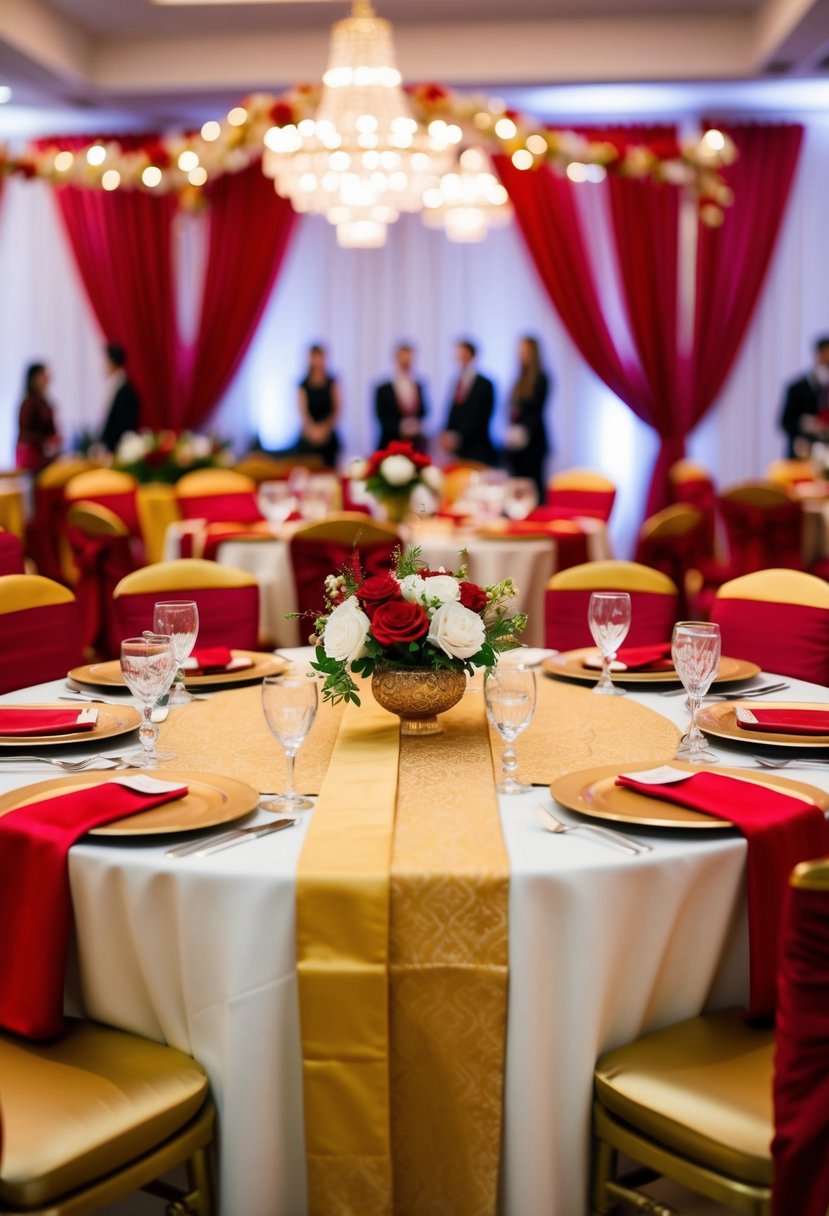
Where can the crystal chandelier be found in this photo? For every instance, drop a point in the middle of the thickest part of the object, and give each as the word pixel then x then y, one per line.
pixel 363 158
pixel 467 201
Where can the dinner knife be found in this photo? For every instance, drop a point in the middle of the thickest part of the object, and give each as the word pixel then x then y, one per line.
pixel 200 848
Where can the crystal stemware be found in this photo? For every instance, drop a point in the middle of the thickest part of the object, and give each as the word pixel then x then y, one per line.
pixel 608 616
pixel 178 620
pixel 148 665
pixel 695 650
pixel 509 694
pixel 277 502
pixel 520 497
pixel 290 705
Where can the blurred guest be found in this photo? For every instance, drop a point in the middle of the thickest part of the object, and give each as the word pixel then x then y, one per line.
pixel 805 399
pixel 400 403
pixel 124 410
pixel 319 409
pixel 526 442
pixel 466 436
pixel 37 441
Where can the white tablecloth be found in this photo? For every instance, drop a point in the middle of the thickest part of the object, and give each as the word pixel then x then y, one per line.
pixel 603 946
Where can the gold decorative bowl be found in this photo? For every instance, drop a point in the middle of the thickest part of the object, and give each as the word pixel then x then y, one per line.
pixel 417 695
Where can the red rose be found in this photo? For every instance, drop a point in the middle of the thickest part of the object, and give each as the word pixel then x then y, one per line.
pixel 472 597
pixel 281 114
pixel 377 590
pixel 398 622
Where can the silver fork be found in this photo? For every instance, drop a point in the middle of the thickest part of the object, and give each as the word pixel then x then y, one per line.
pixel 66 766
pixel 622 842
pixel 793 762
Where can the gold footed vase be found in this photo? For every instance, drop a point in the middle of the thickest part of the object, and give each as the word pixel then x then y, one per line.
pixel 417 695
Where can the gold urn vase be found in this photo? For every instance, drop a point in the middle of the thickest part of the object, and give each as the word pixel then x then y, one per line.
pixel 417 695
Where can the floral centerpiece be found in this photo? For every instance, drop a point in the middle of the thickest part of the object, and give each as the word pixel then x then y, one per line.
pixel 168 455
pixel 416 632
pixel 393 473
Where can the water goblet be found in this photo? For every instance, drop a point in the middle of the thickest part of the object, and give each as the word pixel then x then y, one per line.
pixel 178 620
pixel 608 616
pixel 695 650
pixel 148 665
pixel 520 497
pixel 276 501
pixel 290 705
pixel 509 694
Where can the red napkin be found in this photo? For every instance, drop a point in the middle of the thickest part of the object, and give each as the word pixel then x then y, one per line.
pixel 788 721
pixel 210 658
pixel 34 721
pixel 35 902
pixel 780 830
pixel 656 657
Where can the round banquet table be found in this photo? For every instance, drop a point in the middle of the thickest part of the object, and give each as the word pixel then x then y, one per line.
pixel 603 947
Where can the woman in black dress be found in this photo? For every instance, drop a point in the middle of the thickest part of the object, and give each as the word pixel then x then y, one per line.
pixel 527 442
pixel 319 409
pixel 37 439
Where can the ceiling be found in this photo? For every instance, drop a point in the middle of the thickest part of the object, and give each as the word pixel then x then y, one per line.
pixel 82 63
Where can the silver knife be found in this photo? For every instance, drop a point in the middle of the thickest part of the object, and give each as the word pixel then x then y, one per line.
pixel 226 840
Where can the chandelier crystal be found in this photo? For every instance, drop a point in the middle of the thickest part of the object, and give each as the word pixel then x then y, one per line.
pixel 467 201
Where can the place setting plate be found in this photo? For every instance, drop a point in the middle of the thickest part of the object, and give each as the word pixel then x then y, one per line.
pixel 262 663
pixel 211 800
pixel 720 721
pixel 571 664
pixel 593 792
pixel 112 721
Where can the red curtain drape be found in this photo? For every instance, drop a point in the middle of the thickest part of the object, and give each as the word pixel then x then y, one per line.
pixel 250 228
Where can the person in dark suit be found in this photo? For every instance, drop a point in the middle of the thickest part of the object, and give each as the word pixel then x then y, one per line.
pixel 466 436
pixel 805 398
pixel 400 403
pixel 125 406
pixel 526 441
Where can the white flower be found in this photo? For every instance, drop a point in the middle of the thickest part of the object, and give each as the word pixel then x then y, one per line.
pixel 397 470
pixel 131 448
pixel 346 631
pixel 433 478
pixel 413 588
pixel 443 587
pixel 456 630
pixel 201 445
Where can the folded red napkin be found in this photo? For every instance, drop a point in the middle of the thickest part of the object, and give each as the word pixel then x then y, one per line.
pixel 31 720
pixel 209 658
pixel 35 902
pixel 784 721
pixel 656 657
pixel 780 829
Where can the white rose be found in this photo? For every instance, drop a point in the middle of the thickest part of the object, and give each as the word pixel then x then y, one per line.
pixel 443 587
pixel 397 470
pixel 413 588
pixel 345 632
pixel 433 478
pixel 457 631
pixel 131 448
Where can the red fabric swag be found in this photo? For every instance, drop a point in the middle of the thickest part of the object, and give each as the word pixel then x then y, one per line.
pixel 566 627
pixel 228 616
pixel 39 644
pixel 788 639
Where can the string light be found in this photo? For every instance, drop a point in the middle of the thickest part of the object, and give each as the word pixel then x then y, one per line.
pixel 111 180
pixel 96 155
pixel 152 176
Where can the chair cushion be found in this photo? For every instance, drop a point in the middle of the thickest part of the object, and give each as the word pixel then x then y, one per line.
pixel 701 1088
pixel 86 1105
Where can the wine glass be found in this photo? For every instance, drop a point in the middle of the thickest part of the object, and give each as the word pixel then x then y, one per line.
pixel 509 693
pixel 290 705
pixel 695 650
pixel 520 497
pixel 608 616
pixel 178 620
pixel 148 665
pixel 276 502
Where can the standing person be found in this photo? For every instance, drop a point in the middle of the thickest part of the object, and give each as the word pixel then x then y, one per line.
pixel 466 436
pixel 805 398
pixel 124 411
pixel 400 403
pixel 319 409
pixel 527 443
pixel 37 440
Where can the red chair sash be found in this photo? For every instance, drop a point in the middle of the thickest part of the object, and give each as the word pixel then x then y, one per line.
pixel 595 503
pixel 801 1065
pixel 228 616
pixel 222 508
pixel 38 644
pixel 102 562
pixel 44 529
pixel 566 628
pixel 11 554
pixel 125 506
pixel 762 537
pixel 313 560
pixel 788 639
pixel 699 492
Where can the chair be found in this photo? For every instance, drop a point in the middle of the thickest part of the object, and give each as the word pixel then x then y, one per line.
pixel 691 483
pixel 97 1115
pixel 219 496
pixel 100 545
pixel 693 1102
pixel 653 595
pixel 581 492
pixel 39 631
pixel 11 553
pixel 674 540
pixel 779 619
pixel 107 488
pixel 228 600
pixel 259 467
pixel 763 527
pixel 347 539
pixel 44 531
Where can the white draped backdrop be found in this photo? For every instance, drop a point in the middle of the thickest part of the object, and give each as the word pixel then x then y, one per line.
pixel 425 289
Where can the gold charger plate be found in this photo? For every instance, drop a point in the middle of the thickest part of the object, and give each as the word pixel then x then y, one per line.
pixel 721 722
pixel 112 721
pixel 211 800
pixel 593 792
pixel 107 675
pixel 570 663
